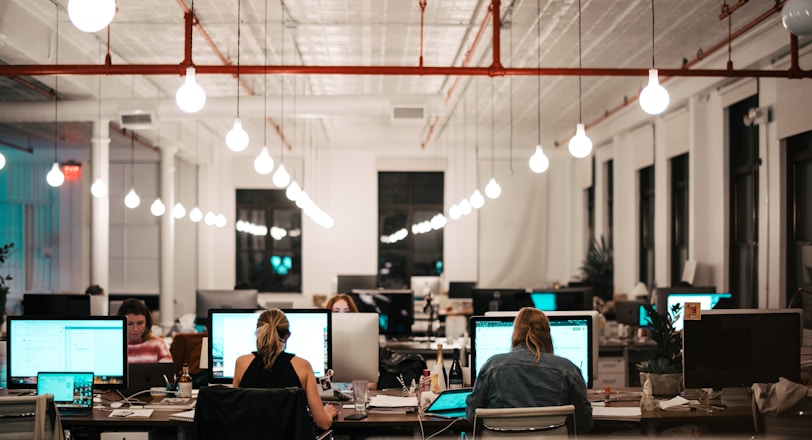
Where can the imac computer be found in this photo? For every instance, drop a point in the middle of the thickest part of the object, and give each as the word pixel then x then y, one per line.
pixel 733 349
pixel 348 283
pixel 570 298
pixel 574 334
pixel 95 344
pixel 355 347
pixel 56 304
pixel 422 285
pixel 492 300
pixel 233 334
pixel 460 289
pixel 395 309
pixel 223 299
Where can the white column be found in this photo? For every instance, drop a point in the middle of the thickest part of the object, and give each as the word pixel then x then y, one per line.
pixel 167 298
pixel 100 207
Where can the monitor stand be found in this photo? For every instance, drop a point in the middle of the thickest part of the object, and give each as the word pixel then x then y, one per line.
pixel 736 396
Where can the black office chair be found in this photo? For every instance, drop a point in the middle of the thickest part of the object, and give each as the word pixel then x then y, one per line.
pixel 224 413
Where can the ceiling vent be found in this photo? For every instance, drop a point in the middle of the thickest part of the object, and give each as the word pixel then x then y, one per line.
pixel 408 115
pixel 137 120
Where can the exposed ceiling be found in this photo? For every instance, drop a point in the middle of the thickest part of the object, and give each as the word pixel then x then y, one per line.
pixel 352 109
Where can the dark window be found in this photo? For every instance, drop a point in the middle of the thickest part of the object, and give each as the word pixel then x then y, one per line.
pixel 406 199
pixel 799 213
pixel 610 201
pixel 646 176
pixel 744 163
pixel 269 261
pixel 679 217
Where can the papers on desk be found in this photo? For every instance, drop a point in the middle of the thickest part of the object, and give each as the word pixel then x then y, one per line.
pixel 130 414
pixel 186 416
pixel 601 412
pixel 171 404
pixel 392 404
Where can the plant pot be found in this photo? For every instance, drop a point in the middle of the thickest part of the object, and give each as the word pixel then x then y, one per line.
pixel 663 384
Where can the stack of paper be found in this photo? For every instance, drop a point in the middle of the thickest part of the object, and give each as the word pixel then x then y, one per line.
pixel 392 404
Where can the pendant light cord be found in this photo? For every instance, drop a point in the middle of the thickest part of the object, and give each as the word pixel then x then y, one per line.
pixel 265 83
pixel 652 34
pixel 132 159
pixel 282 56
pixel 580 65
pixel 538 64
pixel 510 160
pixel 56 89
pixel 493 156
pixel 239 31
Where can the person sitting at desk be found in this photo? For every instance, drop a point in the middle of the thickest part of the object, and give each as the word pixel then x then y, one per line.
pixel 341 303
pixel 531 375
pixel 271 367
pixel 142 345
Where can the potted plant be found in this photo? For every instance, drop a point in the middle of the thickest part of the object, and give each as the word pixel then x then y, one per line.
pixel 664 369
pixel 598 269
pixel 5 252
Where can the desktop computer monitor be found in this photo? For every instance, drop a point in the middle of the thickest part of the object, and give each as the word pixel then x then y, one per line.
pixel 491 300
pixel 233 334
pixel 708 300
pixel 56 304
pixel 95 344
pixel 460 289
pixel 355 347
pixel 395 309
pixel 570 298
pixel 348 283
pixel 574 334
pixel 421 285
pixel 728 349
pixel 223 299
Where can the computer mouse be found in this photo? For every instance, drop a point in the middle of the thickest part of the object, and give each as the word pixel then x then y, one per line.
pixel 97 399
pixel 116 405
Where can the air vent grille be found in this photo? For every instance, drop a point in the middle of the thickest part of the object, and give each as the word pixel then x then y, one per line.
pixel 137 120
pixel 408 114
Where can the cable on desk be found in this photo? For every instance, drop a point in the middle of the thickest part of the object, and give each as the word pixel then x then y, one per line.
pixel 423 434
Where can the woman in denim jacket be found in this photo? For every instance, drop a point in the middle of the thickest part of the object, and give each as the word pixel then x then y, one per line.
pixel 531 375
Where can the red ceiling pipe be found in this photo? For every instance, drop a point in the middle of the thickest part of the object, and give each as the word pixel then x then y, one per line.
pixel 728 10
pixel 422 4
pixel 496 63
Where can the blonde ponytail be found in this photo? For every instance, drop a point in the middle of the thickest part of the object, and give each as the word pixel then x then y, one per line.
pixel 273 329
pixel 532 328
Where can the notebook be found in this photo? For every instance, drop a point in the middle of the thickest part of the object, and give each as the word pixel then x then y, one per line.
pixel 142 377
pixel 449 403
pixel 73 392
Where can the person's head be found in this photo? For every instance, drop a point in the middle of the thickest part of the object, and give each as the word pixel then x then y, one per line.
pixel 139 320
pixel 273 330
pixel 341 303
pixel 532 328
pixel 94 289
pixel 243 285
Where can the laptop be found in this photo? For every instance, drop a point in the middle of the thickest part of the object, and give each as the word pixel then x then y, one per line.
pixel 142 377
pixel 73 392
pixel 449 404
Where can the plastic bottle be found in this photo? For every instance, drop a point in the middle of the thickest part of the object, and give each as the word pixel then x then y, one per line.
pixel 425 383
pixel 455 373
pixel 185 383
pixel 647 399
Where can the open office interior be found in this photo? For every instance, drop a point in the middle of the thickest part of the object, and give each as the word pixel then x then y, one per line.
pixel 721 177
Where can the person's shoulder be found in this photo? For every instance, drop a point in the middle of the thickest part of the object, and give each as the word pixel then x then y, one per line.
pixel 299 362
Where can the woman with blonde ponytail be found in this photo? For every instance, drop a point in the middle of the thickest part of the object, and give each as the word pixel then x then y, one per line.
pixel 531 374
pixel 271 367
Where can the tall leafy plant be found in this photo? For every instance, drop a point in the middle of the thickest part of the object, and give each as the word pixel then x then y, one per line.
pixel 598 269
pixel 5 252
pixel 668 356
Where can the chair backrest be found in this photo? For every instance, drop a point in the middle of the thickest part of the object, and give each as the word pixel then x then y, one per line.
pixel 530 422
pixel 256 413
pixel 29 417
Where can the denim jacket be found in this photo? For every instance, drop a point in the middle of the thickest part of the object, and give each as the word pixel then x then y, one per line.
pixel 514 380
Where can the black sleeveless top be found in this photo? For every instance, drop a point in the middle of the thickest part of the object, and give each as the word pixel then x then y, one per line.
pixel 281 375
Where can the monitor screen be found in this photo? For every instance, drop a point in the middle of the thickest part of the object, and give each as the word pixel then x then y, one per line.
pixel 574 337
pixel 355 347
pixel 66 344
pixel 348 283
pixel 740 347
pixel 461 289
pixel 707 301
pixel 423 284
pixel 575 298
pixel 223 299
pixel 492 300
pixel 395 309
pixel 233 334
pixel 56 304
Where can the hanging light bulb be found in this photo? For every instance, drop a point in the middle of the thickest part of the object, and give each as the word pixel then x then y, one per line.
pixel 492 189
pixel 465 207
pixel 281 178
pixel 91 15
pixel 476 199
pixel 55 177
pixel 237 138
pixel 98 189
pixel 190 96
pixel 179 211
pixel 796 15
pixel 210 219
pixel 654 98
pixel 580 145
pixel 221 221
pixel 293 192
pixel 2 161
pixel 195 214
pixel 454 212
pixel 539 161
pixel 131 200
pixel 157 208
pixel 263 162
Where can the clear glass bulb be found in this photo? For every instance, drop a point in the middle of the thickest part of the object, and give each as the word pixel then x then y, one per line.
pixel 654 98
pixel 131 200
pixel 796 16
pixel 195 214
pixel 293 191
pixel 454 212
pixel 55 177
pixel 263 163
pixel 91 15
pixel 99 188
pixel 237 138
pixel 539 161
pixel 492 189
pixel 281 178
pixel 179 211
pixel 210 218
pixel 580 145
pixel 190 97
pixel 157 208
pixel 221 221
pixel 465 207
pixel 476 199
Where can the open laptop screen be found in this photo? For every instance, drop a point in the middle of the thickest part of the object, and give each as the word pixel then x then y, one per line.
pixel 72 391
